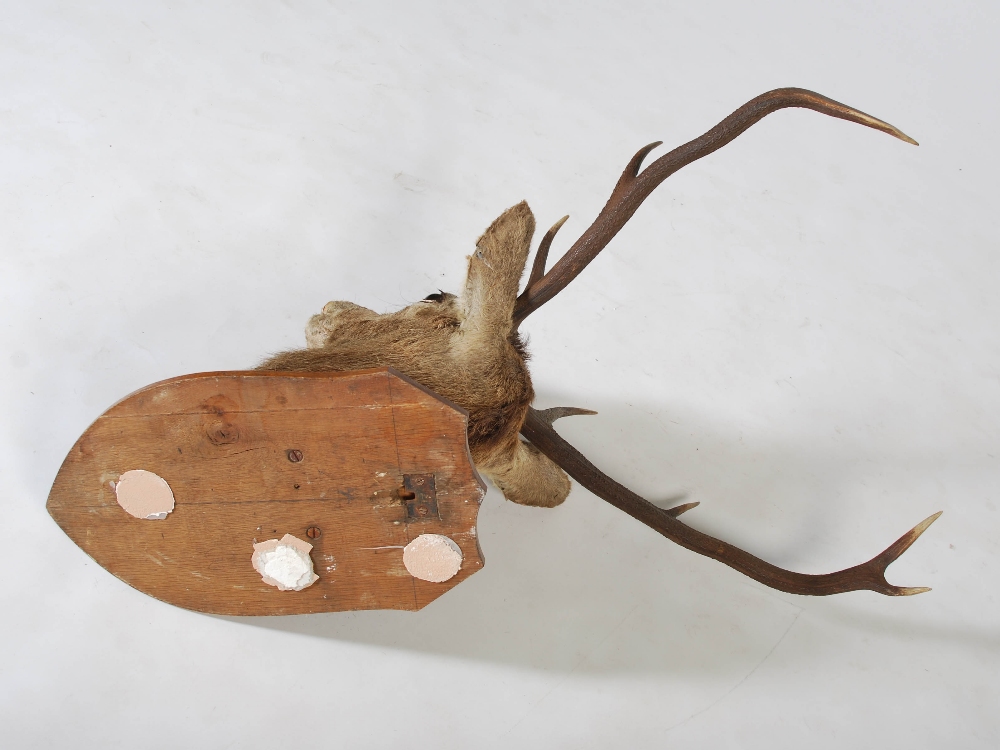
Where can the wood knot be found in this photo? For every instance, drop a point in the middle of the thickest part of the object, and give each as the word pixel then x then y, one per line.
pixel 223 433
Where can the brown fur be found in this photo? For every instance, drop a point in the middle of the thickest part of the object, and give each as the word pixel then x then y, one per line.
pixel 463 348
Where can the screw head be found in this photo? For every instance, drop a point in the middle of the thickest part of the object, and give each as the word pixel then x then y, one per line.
pixel 314 532
pixel 294 455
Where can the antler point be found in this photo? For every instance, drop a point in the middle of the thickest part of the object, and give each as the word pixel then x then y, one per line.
pixel 921 527
pixel 677 510
pixel 912 590
pixel 558 412
pixel 901 135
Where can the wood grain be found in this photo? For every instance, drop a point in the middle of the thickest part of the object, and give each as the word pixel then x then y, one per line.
pixel 221 441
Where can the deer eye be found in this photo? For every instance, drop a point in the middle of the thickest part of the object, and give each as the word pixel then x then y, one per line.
pixel 438 296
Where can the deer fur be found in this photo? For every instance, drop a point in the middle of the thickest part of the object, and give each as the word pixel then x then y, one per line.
pixel 464 348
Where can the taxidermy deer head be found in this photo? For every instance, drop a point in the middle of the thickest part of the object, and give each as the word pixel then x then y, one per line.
pixel 466 348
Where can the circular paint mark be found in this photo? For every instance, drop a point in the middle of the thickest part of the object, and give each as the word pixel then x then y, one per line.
pixel 432 557
pixel 285 563
pixel 144 495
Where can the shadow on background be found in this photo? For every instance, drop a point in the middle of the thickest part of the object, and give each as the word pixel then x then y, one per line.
pixel 584 587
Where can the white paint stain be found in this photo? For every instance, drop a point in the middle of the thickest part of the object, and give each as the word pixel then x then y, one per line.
pixel 284 563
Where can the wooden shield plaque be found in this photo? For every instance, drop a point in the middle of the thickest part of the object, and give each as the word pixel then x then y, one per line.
pixel 357 464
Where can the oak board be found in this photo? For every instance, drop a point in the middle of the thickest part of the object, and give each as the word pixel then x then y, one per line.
pixel 223 441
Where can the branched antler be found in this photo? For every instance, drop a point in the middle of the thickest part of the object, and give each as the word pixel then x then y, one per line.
pixel 634 187
pixel 867 576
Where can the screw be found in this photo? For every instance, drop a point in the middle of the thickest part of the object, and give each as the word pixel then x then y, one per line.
pixel 314 532
pixel 294 455
pixel 421 510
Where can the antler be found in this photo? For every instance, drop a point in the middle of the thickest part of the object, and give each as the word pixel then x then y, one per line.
pixel 634 187
pixel 867 576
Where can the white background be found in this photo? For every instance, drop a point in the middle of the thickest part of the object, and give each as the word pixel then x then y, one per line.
pixel 798 331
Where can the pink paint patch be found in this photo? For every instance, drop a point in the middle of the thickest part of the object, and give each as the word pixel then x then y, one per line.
pixel 144 495
pixel 432 557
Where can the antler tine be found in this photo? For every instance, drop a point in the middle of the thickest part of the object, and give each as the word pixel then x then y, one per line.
pixel 868 576
pixel 538 267
pixel 634 187
pixel 558 412
pixel 631 171
pixel 548 416
pixel 678 509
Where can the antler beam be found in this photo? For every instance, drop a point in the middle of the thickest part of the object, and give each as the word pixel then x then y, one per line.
pixel 868 576
pixel 634 187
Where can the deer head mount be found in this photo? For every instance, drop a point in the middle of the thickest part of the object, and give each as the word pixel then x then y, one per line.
pixel 468 350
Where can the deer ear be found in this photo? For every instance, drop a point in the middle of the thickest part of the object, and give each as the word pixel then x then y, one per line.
pixel 495 271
